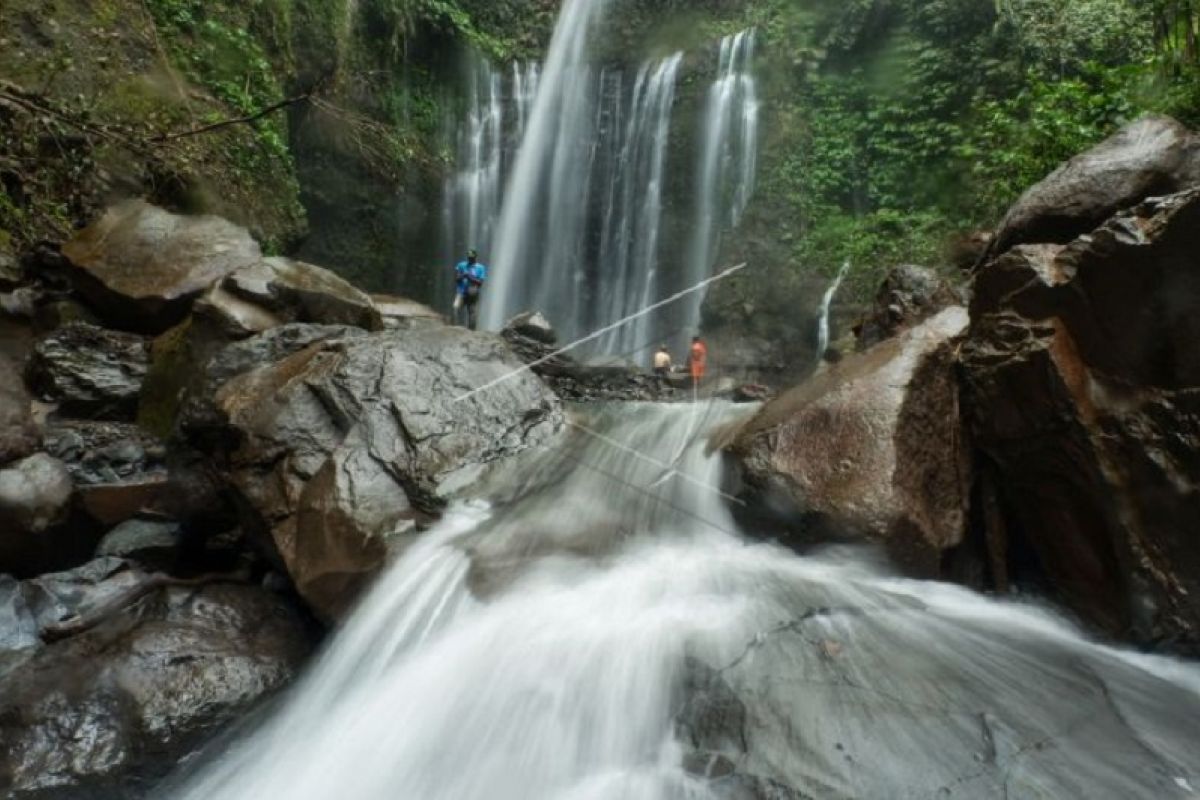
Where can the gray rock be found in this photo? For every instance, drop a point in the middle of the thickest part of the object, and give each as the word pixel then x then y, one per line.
pixel 118 468
pixel 143 267
pixel 147 541
pixel 1153 156
pixel 533 325
pixel 298 292
pixel 19 436
pixel 199 414
pixel 400 313
pixel 107 712
pixel 345 446
pixel 91 372
pixel 908 296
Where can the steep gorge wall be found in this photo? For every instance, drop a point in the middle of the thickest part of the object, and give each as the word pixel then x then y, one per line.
pixel 345 169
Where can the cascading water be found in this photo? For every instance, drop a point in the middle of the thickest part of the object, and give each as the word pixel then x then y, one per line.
pixel 728 160
pixel 603 633
pixel 585 228
pixel 484 141
pixel 823 312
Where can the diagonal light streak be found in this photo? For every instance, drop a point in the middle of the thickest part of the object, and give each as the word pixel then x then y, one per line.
pixel 597 334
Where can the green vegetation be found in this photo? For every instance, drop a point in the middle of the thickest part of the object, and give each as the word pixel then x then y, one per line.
pixel 896 126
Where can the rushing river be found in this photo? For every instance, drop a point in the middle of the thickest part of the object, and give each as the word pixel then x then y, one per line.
pixel 602 630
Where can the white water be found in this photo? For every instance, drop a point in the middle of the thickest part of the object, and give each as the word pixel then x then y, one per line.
pixel 823 312
pixel 584 212
pixel 553 153
pixel 541 650
pixel 728 159
pixel 495 112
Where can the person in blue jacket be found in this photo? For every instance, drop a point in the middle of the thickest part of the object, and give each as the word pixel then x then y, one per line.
pixel 469 277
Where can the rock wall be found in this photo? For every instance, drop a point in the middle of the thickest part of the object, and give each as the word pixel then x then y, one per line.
pixel 1052 444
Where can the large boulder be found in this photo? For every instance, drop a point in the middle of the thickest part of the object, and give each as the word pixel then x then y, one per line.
pixel 90 372
pixel 908 296
pixel 142 267
pixel 1152 156
pixel 298 292
pixel 347 445
pixel 1083 387
pixel 872 447
pixel 19 435
pixel 107 712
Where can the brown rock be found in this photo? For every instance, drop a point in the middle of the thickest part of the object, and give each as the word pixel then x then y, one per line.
pixel 298 292
pixel 142 267
pixel 870 448
pixel 1083 381
pixel 1152 156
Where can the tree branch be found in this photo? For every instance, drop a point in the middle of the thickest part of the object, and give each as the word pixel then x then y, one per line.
pixel 246 120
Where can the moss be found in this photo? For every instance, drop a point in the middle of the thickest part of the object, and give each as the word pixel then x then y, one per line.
pixel 172 367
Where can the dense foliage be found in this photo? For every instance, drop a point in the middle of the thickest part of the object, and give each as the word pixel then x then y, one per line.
pixel 899 125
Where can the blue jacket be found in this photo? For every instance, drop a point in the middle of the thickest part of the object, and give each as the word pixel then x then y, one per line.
pixel 463 271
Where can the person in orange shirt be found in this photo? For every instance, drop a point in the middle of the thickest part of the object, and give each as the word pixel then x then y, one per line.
pixel 698 360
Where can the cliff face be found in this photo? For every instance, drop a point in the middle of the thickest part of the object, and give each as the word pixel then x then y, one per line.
pixel 315 123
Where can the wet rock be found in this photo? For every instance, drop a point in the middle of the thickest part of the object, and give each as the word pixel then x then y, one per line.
pixel 107 712
pixel 233 316
pixel 90 371
pixel 142 267
pixel 19 435
pixel 1153 156
pixel 118 469
pixel 150 541
pixel 908 296
pixel 214 364
pixel 1083 387
pixel 577 381
pixel 533 325
pixel 344 447
pixel 400 313
pixel 298 292
pixel 872 447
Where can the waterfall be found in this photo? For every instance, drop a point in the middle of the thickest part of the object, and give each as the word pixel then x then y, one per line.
pixel 823 312
pixel 484 141
pixel 632 214
pixel 527 653
pixel 547 192
pixel 728 160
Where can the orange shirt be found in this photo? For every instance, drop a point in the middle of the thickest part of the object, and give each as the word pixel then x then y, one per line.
pixel 698 359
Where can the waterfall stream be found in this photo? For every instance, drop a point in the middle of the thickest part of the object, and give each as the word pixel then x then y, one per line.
pixel 603 631
pixel 575 221
pixel 823 312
